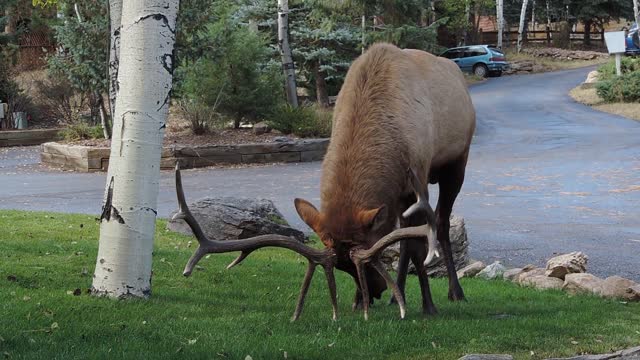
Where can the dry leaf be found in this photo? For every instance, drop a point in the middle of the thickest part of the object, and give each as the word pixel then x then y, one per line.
pixel 55 326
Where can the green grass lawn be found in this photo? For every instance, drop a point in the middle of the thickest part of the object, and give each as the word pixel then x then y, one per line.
pixel 229 314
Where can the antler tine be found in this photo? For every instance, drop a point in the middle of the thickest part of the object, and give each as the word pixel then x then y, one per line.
pixel 361 256
pixel 326 258
pixel 422 204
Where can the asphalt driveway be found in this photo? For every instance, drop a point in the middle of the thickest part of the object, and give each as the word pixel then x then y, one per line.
pixel 546 175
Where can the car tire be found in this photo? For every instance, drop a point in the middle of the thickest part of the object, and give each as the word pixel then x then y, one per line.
pixel 480 70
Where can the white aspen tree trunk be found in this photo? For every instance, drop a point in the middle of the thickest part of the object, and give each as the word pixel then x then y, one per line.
pixel 123 266
pixel 636 14
pixel 500 20
pixel 467 11
pixel 285 51
pixel 115 14
pixel 363 40
pixel 533 15
pixel 523 14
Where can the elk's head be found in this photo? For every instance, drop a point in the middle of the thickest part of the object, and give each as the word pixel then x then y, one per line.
pixel 342 230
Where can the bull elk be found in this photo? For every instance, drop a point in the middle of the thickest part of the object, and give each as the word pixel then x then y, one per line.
pixel 403 119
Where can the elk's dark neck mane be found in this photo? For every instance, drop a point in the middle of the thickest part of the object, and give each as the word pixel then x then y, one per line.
pixel 367 160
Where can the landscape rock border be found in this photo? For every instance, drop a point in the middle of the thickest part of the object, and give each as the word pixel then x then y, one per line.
pixel 92 159
pixel 28 137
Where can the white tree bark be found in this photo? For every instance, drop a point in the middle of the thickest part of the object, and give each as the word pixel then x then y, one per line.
pixel 500 20
pixel 285 52
pixel 467 12
pixel 636 14
pixel 115 14
pixel 533 15
pixel 123 266
pixel 523 14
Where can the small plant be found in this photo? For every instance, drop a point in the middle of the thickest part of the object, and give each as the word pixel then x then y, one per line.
pixel 625 88
pixel 303 121
pixel 202 118
pixel 81 131
pixel 628 65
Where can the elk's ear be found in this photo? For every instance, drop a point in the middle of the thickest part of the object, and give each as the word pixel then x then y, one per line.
pixel 308 213
pixel 373 218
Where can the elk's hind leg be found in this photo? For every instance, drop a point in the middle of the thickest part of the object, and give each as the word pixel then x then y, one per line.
pixel 450 183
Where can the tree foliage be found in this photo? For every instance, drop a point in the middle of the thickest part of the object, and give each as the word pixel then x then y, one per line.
pixel 235 74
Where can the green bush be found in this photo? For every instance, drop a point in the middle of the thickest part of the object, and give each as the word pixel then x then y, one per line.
pixel 82 131
pixel 303 121
pixel 625 88
pixel 235 75
pixel 628 65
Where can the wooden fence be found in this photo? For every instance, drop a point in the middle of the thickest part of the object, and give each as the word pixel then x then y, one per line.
pixel 33 50
pixel 511 37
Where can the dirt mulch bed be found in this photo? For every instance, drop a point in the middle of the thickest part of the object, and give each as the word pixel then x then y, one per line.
pixel 221 137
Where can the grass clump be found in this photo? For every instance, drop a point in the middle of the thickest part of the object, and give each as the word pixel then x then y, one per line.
pixel 81 131
pixel 47 257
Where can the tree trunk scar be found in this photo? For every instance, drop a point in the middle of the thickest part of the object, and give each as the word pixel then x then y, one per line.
pixel 108 210
pixel 157 17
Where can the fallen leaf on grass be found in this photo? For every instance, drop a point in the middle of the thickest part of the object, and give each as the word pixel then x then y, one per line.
pixel 192 341
pixel 55 326
pixel 574 342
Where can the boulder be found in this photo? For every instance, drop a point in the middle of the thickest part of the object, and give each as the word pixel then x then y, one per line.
pixel 592 77
pixel 527 272
pixel 459 246
pixel 617 287
pixel 633 292
pixel 582 283
pixel 471 270
pixel 559 266
pixel 493 271
pixel 511 274
pixel 261 128
pixel 487 357
pixel 227 218
pixel 543 282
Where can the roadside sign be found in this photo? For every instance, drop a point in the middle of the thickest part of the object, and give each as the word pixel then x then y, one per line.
pixel 615 41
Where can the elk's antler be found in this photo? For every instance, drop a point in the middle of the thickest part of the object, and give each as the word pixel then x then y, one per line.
pixel 361 257
pixel 422 204
pixel 325 258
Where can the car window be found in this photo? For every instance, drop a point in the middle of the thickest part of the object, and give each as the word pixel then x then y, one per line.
pixel 453 54
pixel 496 52
pixel 475 51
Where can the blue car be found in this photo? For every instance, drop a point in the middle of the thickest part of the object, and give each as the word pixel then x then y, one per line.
pixel 633 42
pixel 482 60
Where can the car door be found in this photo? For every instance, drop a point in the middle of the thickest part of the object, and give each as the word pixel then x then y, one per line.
pixel 454 55
pixel 472 56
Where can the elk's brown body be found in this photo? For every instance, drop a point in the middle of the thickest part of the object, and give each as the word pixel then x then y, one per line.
pixel 397 110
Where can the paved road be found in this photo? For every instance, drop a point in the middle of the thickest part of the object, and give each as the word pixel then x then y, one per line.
pixel 546 175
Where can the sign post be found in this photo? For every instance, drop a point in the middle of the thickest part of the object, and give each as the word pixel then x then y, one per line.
pixel 616 45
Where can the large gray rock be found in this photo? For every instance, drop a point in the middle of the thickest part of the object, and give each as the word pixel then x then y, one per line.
pixel 227 218
pixel 559 266
pixel 487 357
pixel 627 354
pixel 511 274
pixel 493 271
pixel 459 245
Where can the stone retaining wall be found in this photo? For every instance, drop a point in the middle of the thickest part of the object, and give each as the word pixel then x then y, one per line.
pixel 90 159
pixel 28 137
